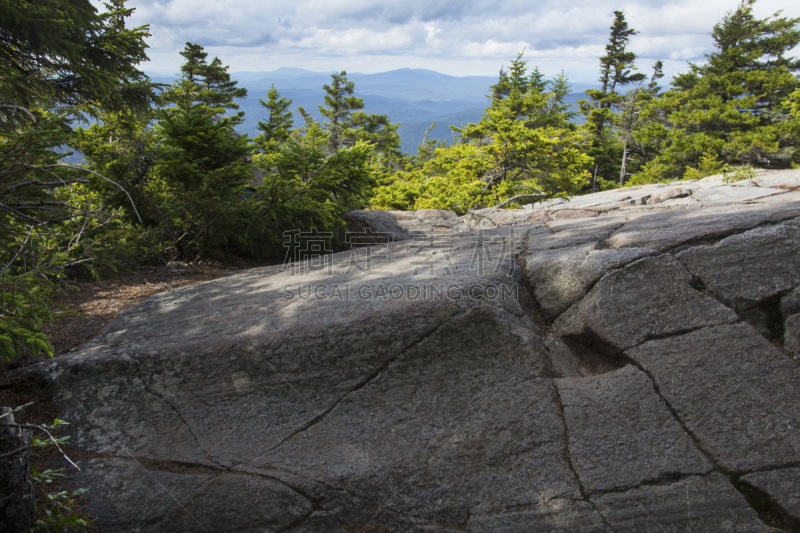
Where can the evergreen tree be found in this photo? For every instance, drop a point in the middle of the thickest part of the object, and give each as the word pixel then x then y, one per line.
pixel 529 98
pixel 518 75
pixel 630 119
pixel 618 63
pixel 616 72
pixel 502 88
pixel 556 113
pixel 377 130
pixel 315 174
pixel 348 124
pixel 202 164
pixel 340 104
pixel 519 166
pixel 312 134
pixel 277 129
pixel 208 85
pixel 67 60
pixel 522 150
pixel 658 73
pixel 203 167
pixel 514 90
pixel 123 147
pixel 65 53
pixel 731 109
pixel 527 135
pixel 537 81
pixel 306 188
pixel 792 107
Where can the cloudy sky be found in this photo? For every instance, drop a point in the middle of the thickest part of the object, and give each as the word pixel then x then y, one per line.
pixel 457 37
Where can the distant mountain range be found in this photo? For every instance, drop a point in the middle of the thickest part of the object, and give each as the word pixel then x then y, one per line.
pixel 416 98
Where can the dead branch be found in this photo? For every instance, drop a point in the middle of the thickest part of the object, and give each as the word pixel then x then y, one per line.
pixel 62 165
pixel 13 452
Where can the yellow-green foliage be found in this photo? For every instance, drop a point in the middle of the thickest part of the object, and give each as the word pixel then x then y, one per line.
pixel 457 177
pixel 551 157
pixel 742 173
pixel 509 153
pixel 793 106
pixel 708 166
pixel 451 180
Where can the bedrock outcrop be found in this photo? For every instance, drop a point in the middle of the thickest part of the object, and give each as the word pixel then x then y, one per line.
pixel 612 363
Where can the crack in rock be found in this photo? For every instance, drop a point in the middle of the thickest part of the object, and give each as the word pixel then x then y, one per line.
pixel 360 385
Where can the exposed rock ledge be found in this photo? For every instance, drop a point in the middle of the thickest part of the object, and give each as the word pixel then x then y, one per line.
pixel 603 365
pixel 767 187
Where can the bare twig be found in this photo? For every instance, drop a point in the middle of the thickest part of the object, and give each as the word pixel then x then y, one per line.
pixel 79 261
pixel 18 252
pixel 72 167
pixel 15 452
pixel 49 435
pixel 21 407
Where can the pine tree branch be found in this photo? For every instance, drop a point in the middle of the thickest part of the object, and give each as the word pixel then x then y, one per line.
pixel 19 108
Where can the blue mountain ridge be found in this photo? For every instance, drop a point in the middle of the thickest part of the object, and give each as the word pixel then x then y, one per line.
pixel 416 98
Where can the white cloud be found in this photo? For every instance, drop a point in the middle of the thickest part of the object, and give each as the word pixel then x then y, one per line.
pixel 461 37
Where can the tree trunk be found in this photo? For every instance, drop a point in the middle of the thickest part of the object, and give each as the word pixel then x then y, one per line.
pixel 594 179
pixel 17 510
pixel 624 164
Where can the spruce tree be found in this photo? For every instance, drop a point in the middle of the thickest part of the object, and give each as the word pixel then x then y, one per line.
pixel 537 81
pixel 312 134
pixel 658 73
pixel 202 160
pixel 522 150
pixel 348 124
pixel 208 85
pixel 616 72
pixel 529 98
pixel 512 89
pixel 277 129
pixel 518 75
pixel 792 108
pixel 340 104
pixel 66 53
pixel 732 108
pixel 502 88
pixel 556 113
pixel 630 119
pixel 378 131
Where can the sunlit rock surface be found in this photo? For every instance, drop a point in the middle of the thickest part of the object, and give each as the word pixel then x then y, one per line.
pixel 596 365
